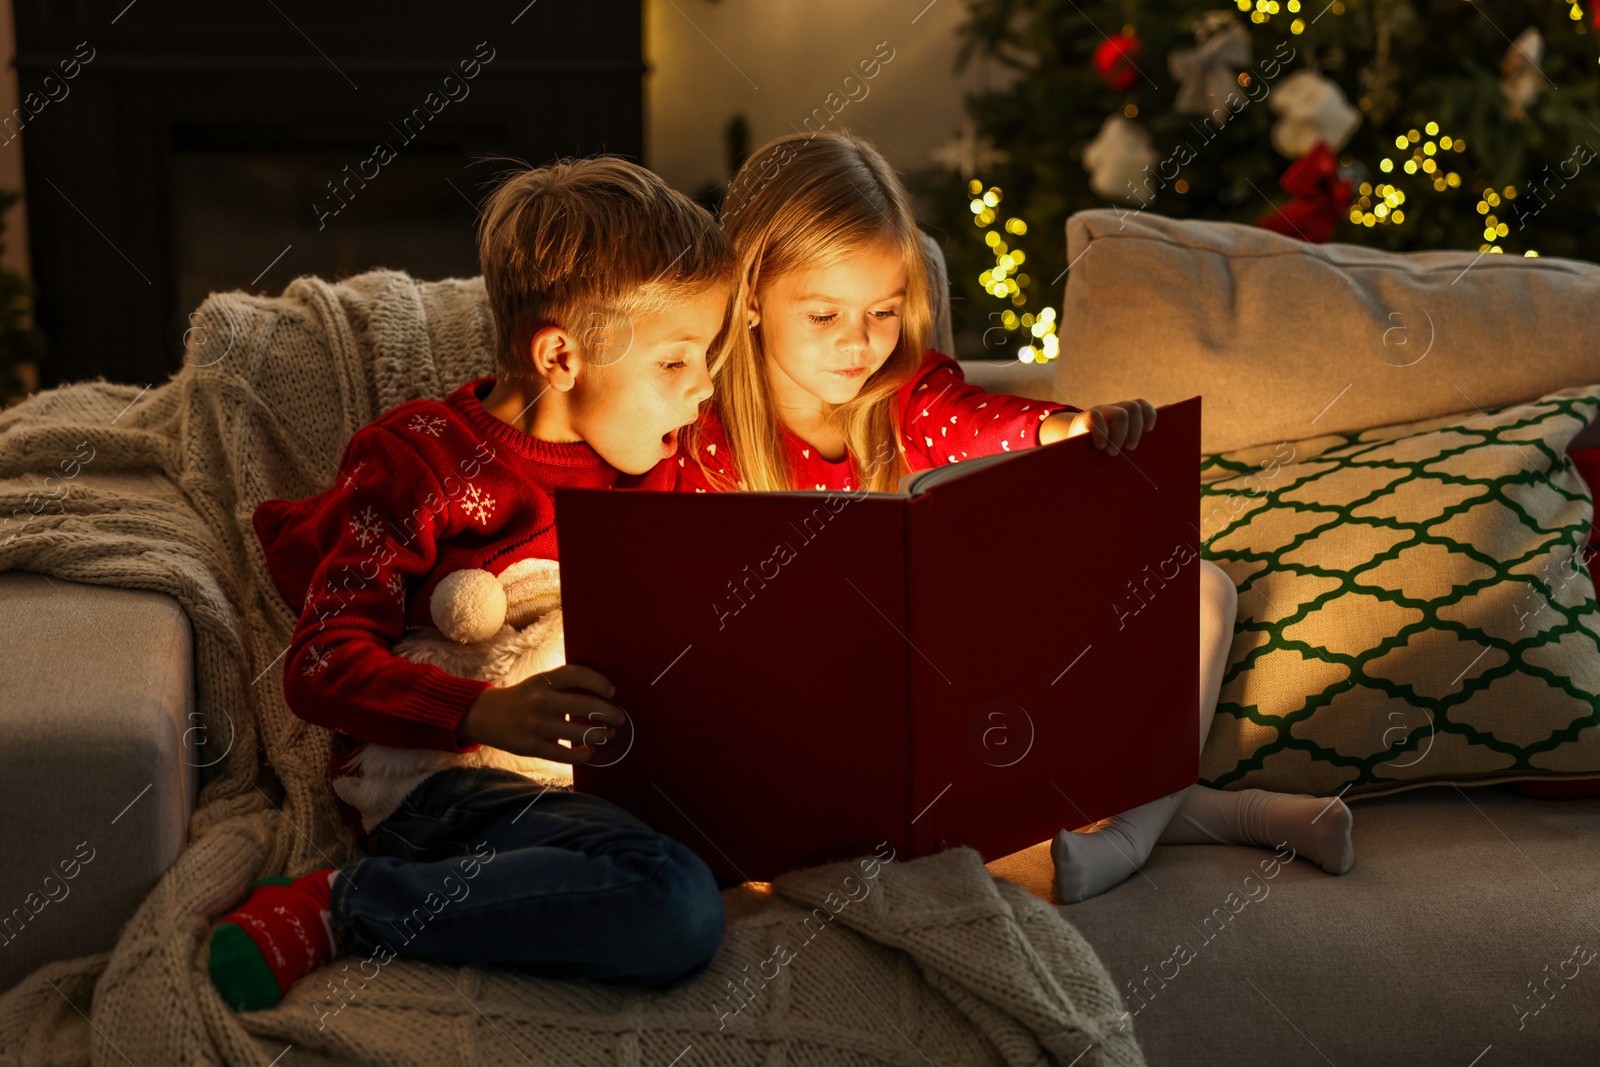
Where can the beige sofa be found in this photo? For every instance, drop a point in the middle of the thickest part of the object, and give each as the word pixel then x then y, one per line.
pixel 1458 937
pixel 1461 906
pixel 98 764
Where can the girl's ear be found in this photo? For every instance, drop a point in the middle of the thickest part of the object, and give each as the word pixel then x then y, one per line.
pixel 752 313
pixel 554 355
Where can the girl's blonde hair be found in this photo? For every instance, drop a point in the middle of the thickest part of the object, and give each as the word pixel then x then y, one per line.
pixel 800 202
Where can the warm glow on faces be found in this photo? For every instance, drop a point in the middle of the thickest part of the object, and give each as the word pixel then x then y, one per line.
pixel 826 330
pixel 630 404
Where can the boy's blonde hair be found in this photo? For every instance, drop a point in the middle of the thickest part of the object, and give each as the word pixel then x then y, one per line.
pixel 802 201
pixel 584 244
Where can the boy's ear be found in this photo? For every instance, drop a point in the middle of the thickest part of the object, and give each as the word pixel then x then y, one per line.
pixel 554 355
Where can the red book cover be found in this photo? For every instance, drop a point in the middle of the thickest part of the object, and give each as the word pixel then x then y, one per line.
pixel 1007 652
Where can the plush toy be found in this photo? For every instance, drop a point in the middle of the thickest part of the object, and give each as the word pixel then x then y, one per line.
pixel 496 628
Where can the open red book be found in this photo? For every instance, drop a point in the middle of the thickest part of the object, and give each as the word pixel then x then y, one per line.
pixel 1006 648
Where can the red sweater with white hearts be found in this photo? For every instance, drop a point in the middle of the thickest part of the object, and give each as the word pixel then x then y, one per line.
pixel 942 419
pixel 428 488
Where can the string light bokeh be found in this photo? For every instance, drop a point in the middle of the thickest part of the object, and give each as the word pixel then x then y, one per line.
pixel 1380 203
pixel 1262 11
pixel 1005 281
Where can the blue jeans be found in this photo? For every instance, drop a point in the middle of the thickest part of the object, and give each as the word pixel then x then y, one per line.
pixel 481 865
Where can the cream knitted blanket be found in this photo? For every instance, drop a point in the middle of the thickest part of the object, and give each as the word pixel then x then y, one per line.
pixel 907 962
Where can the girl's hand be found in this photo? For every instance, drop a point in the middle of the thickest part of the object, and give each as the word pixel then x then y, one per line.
pixel 530 717
pixel 1115 426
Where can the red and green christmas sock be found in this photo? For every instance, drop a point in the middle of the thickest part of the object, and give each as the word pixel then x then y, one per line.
pixel 279 934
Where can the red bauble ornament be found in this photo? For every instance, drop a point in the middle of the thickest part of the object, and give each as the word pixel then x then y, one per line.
pixel 1117 61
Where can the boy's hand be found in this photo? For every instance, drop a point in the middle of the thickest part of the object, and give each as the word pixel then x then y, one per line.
pixel 1115 426
pixel 530 717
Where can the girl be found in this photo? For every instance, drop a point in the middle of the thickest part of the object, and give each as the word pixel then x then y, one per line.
pixel 832 365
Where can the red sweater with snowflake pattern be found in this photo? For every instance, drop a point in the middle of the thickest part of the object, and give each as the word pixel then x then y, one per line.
pixel 428 488
pixel 942 418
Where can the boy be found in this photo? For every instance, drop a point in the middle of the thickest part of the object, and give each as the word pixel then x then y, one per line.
pixel 607 291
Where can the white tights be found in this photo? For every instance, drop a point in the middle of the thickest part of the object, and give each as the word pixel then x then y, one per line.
pixel 1091 860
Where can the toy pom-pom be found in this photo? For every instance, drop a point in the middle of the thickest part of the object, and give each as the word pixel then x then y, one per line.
pixel 468 605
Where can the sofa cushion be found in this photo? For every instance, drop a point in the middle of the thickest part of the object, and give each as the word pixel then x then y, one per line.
pixel 1286 339
pixel 1587 462
pixel 1410 606
pixel 1453 932
pixel 99 761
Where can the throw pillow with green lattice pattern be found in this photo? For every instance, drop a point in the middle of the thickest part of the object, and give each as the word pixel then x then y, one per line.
pixel 1415 606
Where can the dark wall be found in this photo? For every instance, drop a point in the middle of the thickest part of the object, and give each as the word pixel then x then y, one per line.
pixel 176 148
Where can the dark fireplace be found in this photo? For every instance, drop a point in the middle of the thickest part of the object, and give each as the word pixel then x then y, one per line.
pixel 199 147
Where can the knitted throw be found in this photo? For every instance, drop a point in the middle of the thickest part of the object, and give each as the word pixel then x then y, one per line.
pixel 904 962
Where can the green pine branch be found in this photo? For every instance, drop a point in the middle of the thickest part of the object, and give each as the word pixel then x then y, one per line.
pixel 1446 55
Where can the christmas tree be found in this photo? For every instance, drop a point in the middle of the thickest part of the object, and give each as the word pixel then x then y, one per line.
pixel 21 343
pixel 1402 124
